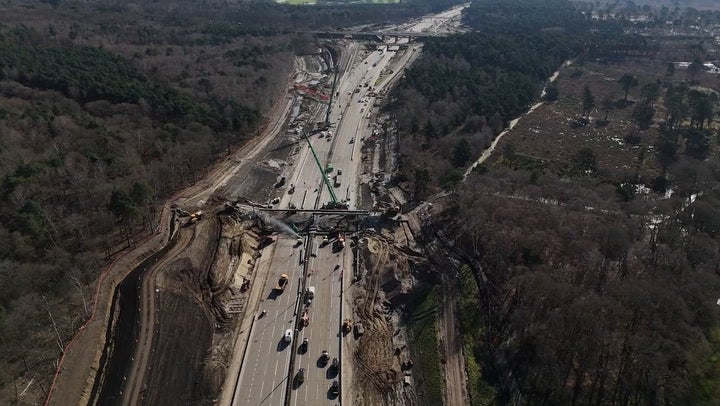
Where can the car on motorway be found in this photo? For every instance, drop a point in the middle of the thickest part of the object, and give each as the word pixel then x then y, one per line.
pixel 335 388
pixel 301 375
pixel 288 335
pixel 324 358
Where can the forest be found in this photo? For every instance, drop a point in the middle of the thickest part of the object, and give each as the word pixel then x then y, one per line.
pixel 106 110
pixel 466 87
pixel 597 271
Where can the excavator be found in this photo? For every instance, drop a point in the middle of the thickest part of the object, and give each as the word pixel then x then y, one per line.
pixel 334 203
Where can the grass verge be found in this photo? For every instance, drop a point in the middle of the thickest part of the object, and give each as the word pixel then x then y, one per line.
pixel 423 332
pixel 481 392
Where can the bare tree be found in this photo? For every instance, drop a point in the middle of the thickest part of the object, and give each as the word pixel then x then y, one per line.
pixel 75 281
pixel 46 306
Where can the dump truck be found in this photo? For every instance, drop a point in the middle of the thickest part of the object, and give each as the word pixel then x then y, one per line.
pixel 282 283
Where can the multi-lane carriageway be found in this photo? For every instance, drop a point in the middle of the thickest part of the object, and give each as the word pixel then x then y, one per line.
pixel 266 373
pixel 269 367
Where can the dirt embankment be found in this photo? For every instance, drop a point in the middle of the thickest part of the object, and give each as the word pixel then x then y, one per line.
pixel 195 286
pixel 122 332
pixel 381 355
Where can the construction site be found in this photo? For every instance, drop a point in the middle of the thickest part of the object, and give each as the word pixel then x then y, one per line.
pixel 293 252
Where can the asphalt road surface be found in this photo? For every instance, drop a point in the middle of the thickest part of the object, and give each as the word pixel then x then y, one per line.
pixel 323 331
pixel 264 372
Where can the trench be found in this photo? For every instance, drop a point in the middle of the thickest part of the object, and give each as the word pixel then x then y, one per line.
pixel 120 337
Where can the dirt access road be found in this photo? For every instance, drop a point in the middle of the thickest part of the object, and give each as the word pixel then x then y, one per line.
pixel 455 379
pixel 76 375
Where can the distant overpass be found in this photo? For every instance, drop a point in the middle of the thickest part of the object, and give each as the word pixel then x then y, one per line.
pixel 374 35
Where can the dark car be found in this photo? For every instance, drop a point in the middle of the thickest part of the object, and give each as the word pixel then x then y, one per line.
pixel 335 388
pixel 301 375
pixel 324 358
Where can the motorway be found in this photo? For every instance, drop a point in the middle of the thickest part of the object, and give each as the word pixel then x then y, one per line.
pixel 264 373
pixel 323 332
pixel 268 369
pixel 263 376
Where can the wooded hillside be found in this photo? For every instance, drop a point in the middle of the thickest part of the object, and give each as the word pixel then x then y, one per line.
pixel 106 109
pixel 597 274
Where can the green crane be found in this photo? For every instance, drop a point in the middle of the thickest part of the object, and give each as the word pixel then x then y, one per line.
pixel 335 204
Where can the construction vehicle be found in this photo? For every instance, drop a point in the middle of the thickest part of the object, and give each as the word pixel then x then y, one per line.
pixel 334 203
pixel 280 182
pixel 347 325
pixel 195 217
pixel 282 283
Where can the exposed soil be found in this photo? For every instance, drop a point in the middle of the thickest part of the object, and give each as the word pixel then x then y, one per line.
pixel 80 370
pixel 176 374
pixel 119 349
pixel 191 287
pixel 382 350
